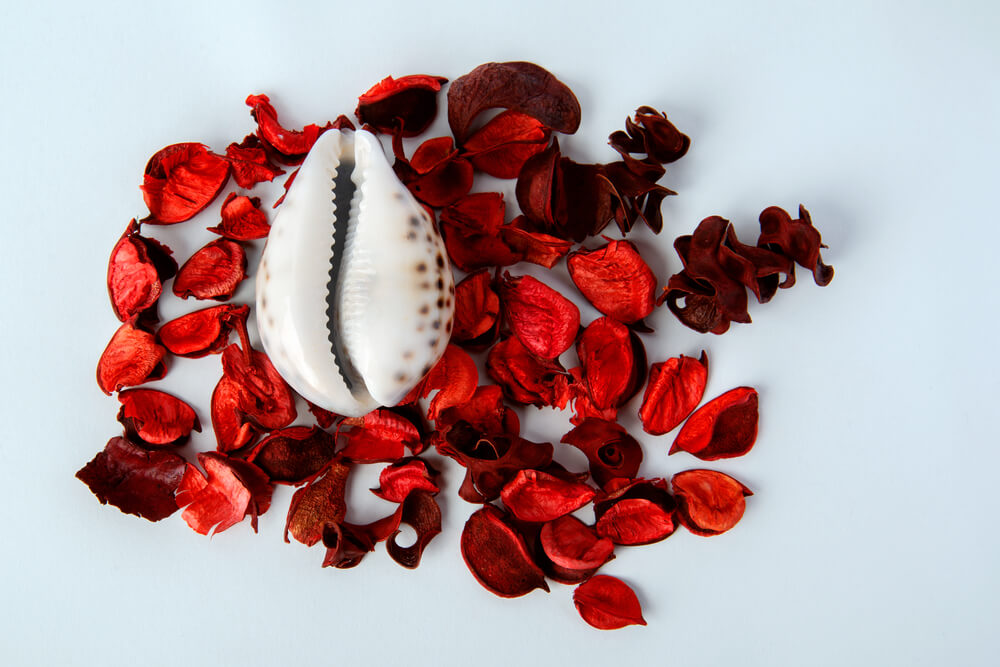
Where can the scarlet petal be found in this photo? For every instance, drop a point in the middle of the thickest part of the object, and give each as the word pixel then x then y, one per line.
pixel 396 481
pixel 232 490
pixel 180 180
pixel 544 320
pixel 421 512
pixel 502 146
pixel 477 310
pixel 436 174
pixel 289 143
pixel 232 428
pixel 633 512
pixel 455 375
pixel 722 428
pixel 134 480
pixel 533 246
pixel 521 86
pixel 407 104
pixel 202 332
pixel 709 502
pixel 242 219
pixel 611 451
pixel 498 557
pixel 264 395
pixel 675 388
pixel 213 272
pixel 526 378
pixel 615 279
pixel 155 418
pixel 573 545
pixel 607 603
pixel 136 270
pixel 317 504
pixel 131 358
pixel 294 454
pixel 539 497
pixel 609 362
pixel 250 163
pixel 379 436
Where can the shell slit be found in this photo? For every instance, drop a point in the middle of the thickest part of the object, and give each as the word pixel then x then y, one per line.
pixel 342 194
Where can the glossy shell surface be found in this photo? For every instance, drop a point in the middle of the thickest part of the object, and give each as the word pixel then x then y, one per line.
pixel 355 295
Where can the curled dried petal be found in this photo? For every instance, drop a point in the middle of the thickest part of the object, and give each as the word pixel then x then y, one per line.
pixel 652 134
pixel 294 454
pixel 455 375
pixel 318 503
pixel 533 246
pixel 544 320
pixel 156 419
pixel 379 436
pixel 436 174
pixel 213 272
pixel 232 490
pixel 406 105
pixel 634 512
pixel 250 163
pixel 202 332
pixel 709 502
pixel 131 358
pixel 498 557
pixel 607 603
pixel 477 311
pixel 611 451
pixel 675 388
pixel 539 497
pixel 723 428
pixel 136 271
pixel 527 378
pixel 574 549
pixel 421 512
pixel 396 481
pixel 502 146
pixel 180 180
pixel 134 480
pixel 797 239
pixel 242 219
pixel 615 279
pixel 347 543
pixel 293 144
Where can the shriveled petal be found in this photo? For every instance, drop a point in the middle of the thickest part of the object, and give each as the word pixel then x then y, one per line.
pixel 293 455
pixel 407 105
pixel 611 451
pixel 242 219
pixel 317 504
pixel 232 490
pixel 396 481
pixel 421 512
pixel 181 180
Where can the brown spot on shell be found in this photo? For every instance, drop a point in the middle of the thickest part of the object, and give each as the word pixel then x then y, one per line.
pixel 440 283
pixel 411 236
pixel 415 221
pixel 436 324
pixel 401 377
pixel 408 354
pixel 425 309
pixel 421 267
pixel 440 303
pixel 440 261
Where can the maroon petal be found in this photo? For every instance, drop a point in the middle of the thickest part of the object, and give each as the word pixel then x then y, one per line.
pixel 406 105
pixel 498 557
pixel 317 504
pixel 293 455
pixel 421 512
pixel 611 451
pixel 723 428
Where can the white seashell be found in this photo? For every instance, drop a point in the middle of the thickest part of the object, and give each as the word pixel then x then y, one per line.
pixel 355 295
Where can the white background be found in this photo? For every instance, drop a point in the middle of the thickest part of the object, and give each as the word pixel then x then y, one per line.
pixel 871 539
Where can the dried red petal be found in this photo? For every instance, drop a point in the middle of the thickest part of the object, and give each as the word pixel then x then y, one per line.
pixel 613 367
pixel 651 134
pixel 379 436
pixel 521 86
pixel 155 418
pixel 526 378
pixel 233 430
pixel 421 512
pixel 533 246
pixel 498 557
pixel 607 603
pixel 634 512
pixel 264 395
pixel 436 174
pixel 346 543
pixel 797 239
pixel 136 271
pixel 180 180
pixel 396 481
pixel 213 272
pixel 324 418
pixel 456 376
pixel 502 146
pixel 615 279
pixel 723 428
pixel 574 547
pixel 202 332
pixel 242 219
pixel 294 454
pixel 233 490
pixel 318 503
pixel 708 502
pixel 539 497
pixel 485 411
pixel 290 143
pixel 536 185
pixel 477 311
pixel 471 229
pixel 406 105
pixel 544 320
pixel 675 388
pixel 610 450
pixel 134 480
pixel 131 358
pixel 250 163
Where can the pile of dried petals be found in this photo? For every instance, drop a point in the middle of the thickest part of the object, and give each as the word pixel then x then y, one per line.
pixel 532 534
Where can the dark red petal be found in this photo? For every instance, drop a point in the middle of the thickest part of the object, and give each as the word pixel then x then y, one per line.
pixel 421 512
pixel 396 481
pixel 637 511
pixel 346 543
pixel 797 239
pixel 502 146
pixel 490 460
pixel 611 451
pixel 708 502
pixel 232 490
pixel 573 545
pixel 485 411
pixel 521 86
pixel 136 270
pixel 675 388
pixel 539 497
pixel 242 219
pixel 317 504
pixel 436 174
pixel 264 395
pixel 498 557
pixel 180 180
pixel 722 428
pixel 536 186
pixel 131 358
pixel 134 480
pixel 477 310
pixel 544 320
pixel 407 104
pixel 652 135
pixel 533 246
pixel 607 603
pixel 294 454
pixel 213 272
pixel 526 378
pixel 615 279
pixel 155 418
pixel 609 362
pixel 250 163
pixel 202 332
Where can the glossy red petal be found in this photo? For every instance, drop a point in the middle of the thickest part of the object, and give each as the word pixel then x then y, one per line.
pixel 502 146
pixel 134 480
pixel 533 246
pixel 708 502
pixel 289 143
pixel 132 357
pixel 615 279
pixel 607 603
pixel 527 378
pixel 539 497
pixel 202 332
pixel 608 360
pixel 155 418
pixel 136 271
pixel 407 105
pixel 498 557
pixel 545 321
pixel 213 272
pixel 521 86
pixel 634 512
pixel 610 450
pixel 317 504
pixel 396 481
pixel 233 429
pixel 242 219
pixel 675 388
pixel 573 546
pixel 379 436
pixel 293 455
pixel 250 163
pixel 455 375
pixel 485 411
pixel 477 311
pixel 265 397
pixel 421 512
pixel 232 490
pixel 723 428
pixel 180 180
